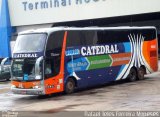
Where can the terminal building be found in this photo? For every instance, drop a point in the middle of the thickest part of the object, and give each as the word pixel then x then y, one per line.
pixel 20 15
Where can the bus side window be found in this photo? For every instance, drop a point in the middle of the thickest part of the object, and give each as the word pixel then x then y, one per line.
pixel 110 36
pixel 81 38
pixel 90 37
pixel 74 38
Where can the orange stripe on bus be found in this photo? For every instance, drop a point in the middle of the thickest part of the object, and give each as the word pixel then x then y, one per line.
pixel 120 59
pixel 148 48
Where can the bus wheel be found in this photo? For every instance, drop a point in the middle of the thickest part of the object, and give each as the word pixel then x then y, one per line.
pixel 70 86
pixel 132 75
pixel 141 72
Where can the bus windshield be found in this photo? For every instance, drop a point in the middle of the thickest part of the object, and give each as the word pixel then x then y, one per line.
pixel 30 43
pixel 23 69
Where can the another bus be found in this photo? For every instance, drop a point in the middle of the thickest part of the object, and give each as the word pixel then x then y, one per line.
pixel 61 59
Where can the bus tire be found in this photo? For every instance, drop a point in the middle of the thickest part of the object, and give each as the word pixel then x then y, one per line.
pixel 70 86
pixel 132 75
pixel 8 79
pixel 141 73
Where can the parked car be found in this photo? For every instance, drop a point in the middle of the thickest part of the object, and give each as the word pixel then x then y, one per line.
pixel 5 70
pixel 5 73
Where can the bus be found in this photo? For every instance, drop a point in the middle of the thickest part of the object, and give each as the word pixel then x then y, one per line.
pixel 64 59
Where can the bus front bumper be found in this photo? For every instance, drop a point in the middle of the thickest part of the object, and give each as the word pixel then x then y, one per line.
pixel 38 91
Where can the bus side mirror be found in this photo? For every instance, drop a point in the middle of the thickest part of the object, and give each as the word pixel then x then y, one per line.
pixel 38 68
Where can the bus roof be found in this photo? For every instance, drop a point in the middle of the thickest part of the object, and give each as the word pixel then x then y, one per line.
pixel 52 29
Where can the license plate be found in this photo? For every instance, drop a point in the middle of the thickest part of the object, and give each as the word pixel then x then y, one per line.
pixel 23 92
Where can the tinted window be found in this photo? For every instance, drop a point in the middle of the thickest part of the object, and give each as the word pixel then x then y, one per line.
pixel 112 36
pixel 53 54
pixel 74 38
pixel 79 38
pixel 92 37
pixel 149 34
pixel 54 43
pixel 119 36
pixel 89 37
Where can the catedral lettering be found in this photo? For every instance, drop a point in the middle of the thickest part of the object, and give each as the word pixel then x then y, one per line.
pixel 97 50
pixel 26 56
pixel 60 60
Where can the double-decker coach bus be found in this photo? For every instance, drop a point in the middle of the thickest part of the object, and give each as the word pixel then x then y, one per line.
pixel 58 59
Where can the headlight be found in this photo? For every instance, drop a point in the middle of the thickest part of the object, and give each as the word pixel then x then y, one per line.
pixel 13 86
pixel 36 87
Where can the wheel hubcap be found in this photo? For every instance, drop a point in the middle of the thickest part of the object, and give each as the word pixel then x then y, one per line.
pixel 70 86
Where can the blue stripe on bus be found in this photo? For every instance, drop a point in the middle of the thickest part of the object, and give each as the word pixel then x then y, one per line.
pixel 127 46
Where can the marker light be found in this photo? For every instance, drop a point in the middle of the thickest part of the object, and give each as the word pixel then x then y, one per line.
pixel 36 87
pixel 13 86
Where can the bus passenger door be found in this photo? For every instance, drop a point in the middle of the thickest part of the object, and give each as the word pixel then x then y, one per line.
pixel 53 76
